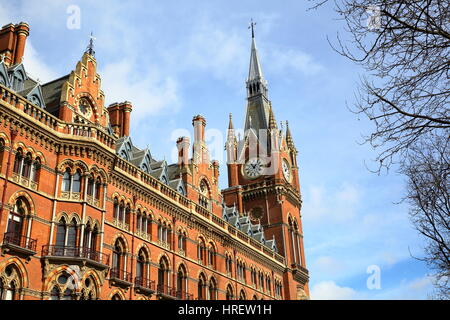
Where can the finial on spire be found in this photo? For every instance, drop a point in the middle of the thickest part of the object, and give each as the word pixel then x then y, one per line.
pixel 252 26
pixel 230 125
pixel 90 47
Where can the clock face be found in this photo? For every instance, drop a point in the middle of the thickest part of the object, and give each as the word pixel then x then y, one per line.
pixel 253 168
pixel 286 170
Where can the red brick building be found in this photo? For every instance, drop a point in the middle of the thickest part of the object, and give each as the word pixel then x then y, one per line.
pixel 85 214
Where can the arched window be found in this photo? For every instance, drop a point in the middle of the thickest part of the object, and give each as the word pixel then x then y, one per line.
pixel 212 256
pixel 90 187
pixel 142 267
pixel 121 211
pixel 118 262
pixel 72 234
pixel 201 248
pixel 181 282
pixel 11 288
pixel 18 161
pixel 201 288
pixel 76 187
pixel 242 295
pixel 128 215
pixel 16 222
pixel 229 295
pixel 97 187
pixel 116 209
pixel 34 176
pixel 90 291
pixel 163 275
pixel 26 168
pixel 67 179
pixel 138 221
pixel 212 289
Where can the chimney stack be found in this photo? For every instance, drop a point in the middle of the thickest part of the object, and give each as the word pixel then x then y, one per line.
pixel 183 151
pixel 119 117
pixel 12 42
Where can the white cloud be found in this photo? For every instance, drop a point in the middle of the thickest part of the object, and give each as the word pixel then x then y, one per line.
pixel 35 66
pixel 148 94
pixel 282 61
pixel 329 290
pixel 339 204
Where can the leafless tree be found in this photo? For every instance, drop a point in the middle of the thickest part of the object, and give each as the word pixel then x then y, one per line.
pixel 404 48
pixel 428 172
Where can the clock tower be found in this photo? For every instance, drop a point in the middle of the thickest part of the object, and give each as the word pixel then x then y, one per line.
pixel 263 179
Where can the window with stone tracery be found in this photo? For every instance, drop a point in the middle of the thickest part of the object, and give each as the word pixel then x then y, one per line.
pixel 10 283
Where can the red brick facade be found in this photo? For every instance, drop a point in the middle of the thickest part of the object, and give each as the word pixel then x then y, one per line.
pixel 80 221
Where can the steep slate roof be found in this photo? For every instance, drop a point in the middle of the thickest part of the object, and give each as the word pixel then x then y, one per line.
pixel 52 94
pixel 232 216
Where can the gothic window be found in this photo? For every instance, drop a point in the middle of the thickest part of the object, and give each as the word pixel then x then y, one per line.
pixel 66 181
pixel 34 176
pixel 211 255
pixel 2 151
pixel 18 161
pixel 121 211
pixel 138 220
pixel 201 248
pixel 142 265
pixel 128 214
pixel 181 281
pixel 163 275
pixel 10 283
pixel 182 240
pixel 66 237
pixel 90 187
pixel 229 264
pixel 116 209
pixel 201 287
pixel 16 223
pixel 89 291
pixel 118 261
pixel 76 187
pixel 98 184
pixel 64 289
pixel 212 289
pixel 242 295
pixel 229 294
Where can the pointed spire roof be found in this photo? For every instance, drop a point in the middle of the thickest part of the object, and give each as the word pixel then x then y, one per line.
pixel 289 140
pixel 255 70
pixel 272 121
pixel 230 125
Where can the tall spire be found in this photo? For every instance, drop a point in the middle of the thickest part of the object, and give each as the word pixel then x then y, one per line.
pixel 256 84
pixel 257 117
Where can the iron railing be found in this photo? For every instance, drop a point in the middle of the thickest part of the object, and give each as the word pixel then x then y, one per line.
pixel 75 252
pixel 144 283
pixel 120 275
pixel 20 241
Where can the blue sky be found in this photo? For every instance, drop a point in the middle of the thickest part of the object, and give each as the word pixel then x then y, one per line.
pixel 175 59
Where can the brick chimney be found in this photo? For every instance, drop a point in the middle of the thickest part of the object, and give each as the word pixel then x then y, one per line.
pixel 183 151
pixel 12 42
pixel 119 117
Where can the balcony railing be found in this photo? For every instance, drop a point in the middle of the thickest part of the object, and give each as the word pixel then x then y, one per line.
pixel 121 275
pixel 145 283
pixel 19 241
pixel 75 252
pixel 182 295
pixel 167 291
